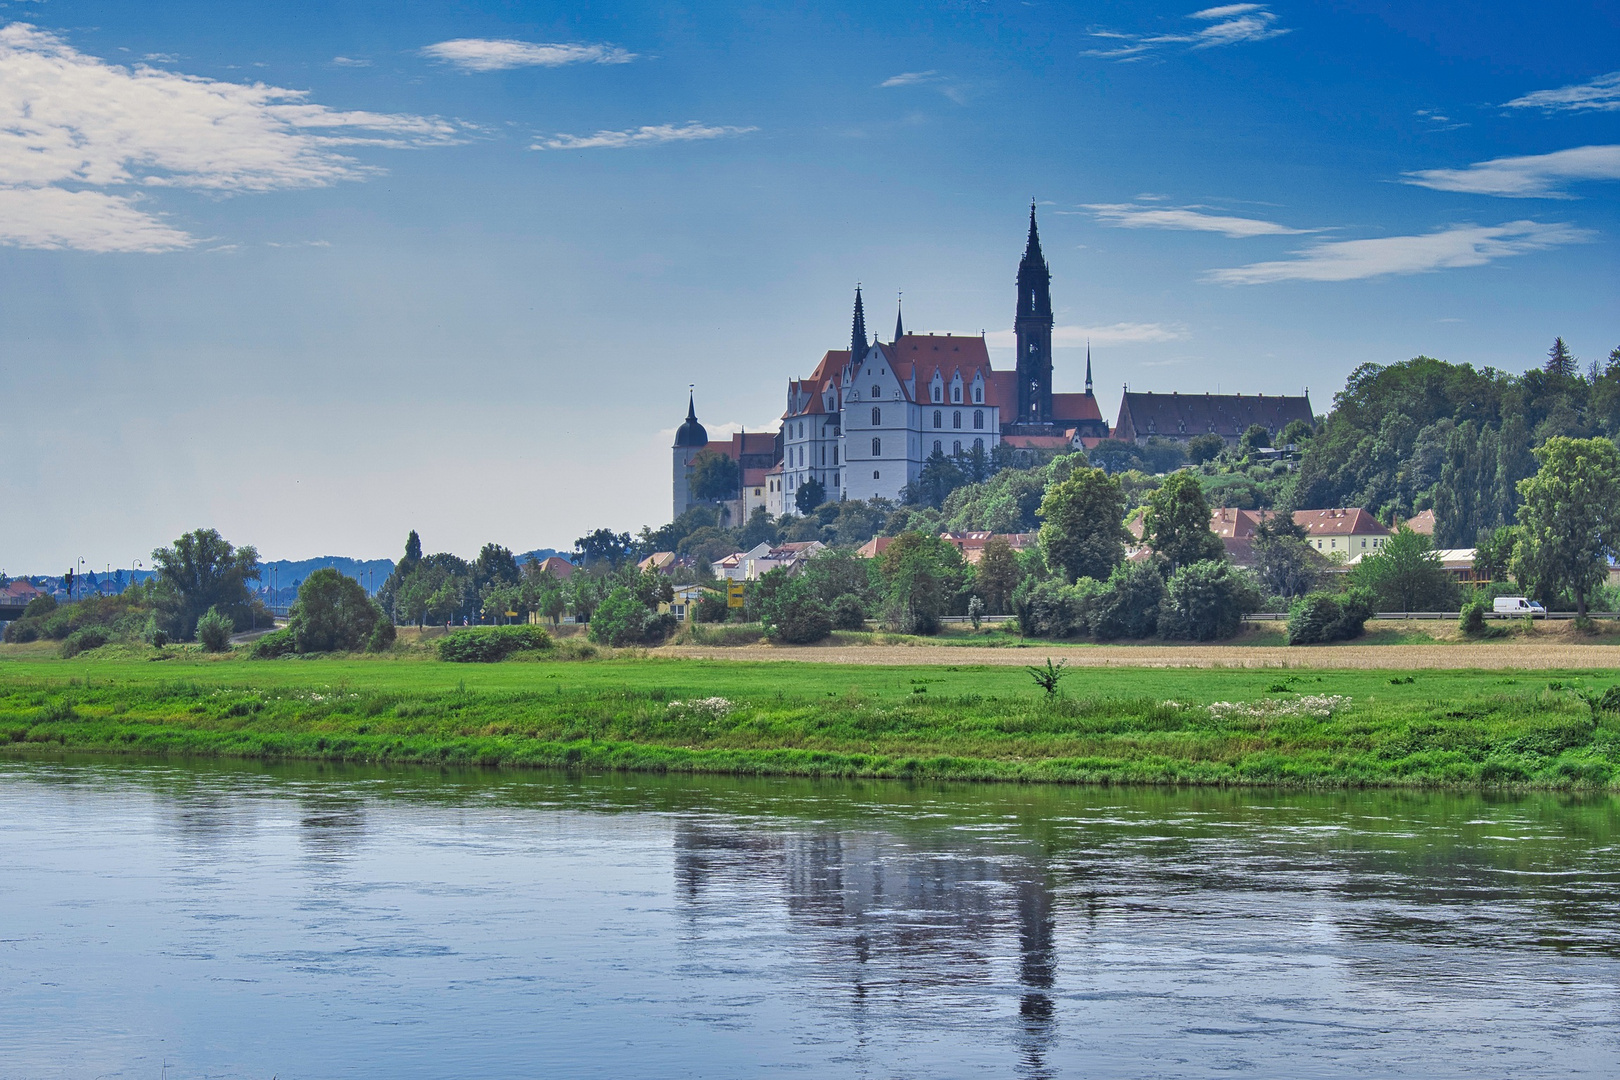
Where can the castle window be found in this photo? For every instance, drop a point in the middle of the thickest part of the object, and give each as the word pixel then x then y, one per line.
pixel 956 419
pixel 956 448
pixel 835 478
pixel 939 418
pixel 939 392
pixel 835 455
pixel 877 447
pixel 956 394
pixel 877 391
pixel 978 418
pixel 877 417
pixel 978 445
pixel 874 474
pixel 978 394
pixel 939 447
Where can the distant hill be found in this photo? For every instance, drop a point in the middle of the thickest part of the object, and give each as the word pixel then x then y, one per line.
pixel 287 574
pixel 539 554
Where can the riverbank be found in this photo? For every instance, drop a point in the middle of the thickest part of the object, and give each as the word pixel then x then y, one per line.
pixel 1316 727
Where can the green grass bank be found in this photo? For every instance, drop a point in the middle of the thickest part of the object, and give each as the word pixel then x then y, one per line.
pixel 1299 728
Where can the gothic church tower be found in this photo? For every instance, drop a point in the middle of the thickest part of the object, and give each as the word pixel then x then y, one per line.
pixel 1033 327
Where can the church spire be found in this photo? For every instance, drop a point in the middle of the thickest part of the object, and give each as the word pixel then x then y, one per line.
pixel 899 326
pixel 857 331
pixel 1032 249
pixel 1088 365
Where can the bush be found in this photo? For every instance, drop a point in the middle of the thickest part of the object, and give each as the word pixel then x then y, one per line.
pixel 711 608
pixel 40 606
pixel 1206 601
pixel 91 637
pixel 214 630
pixel 1128 605
pixel 155 633
pixel 333 614
pixel 22 631
pixel 274 644
pixel 489 644
pixel 1472 622
pixel 1051 609
pixel 1323 617
pixel 382 636
pixel 848 613
pixel 798 616
pixel 619 620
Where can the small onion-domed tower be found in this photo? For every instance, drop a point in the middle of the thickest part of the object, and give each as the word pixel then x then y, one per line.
pixel 689 439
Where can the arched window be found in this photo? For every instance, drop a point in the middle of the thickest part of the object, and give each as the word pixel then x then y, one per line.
pixel 877 417
pixel 877 447
pixel 956 394
pixel 939 447
pixel 939 418
pixel 877 392
pixel 939 392
pixel 956 448
pixel 956 419
pixel 978 444
pixel 835 455
pixel 978 418
pixel 978 394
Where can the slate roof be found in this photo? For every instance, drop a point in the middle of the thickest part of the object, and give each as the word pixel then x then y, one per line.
pixel 1183 416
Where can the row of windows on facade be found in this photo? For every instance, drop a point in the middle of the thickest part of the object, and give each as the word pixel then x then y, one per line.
pixel 939 418
pixel 956 394
pixel 1333 544
pixel 877 451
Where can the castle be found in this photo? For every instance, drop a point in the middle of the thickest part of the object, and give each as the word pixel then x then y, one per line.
pixel 867 419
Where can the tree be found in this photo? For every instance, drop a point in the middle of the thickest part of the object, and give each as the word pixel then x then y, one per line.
pixel 715 477
pixel 1406 575
pixel 332 614
pixel 201 570
pixel 1493 554
pixel 759 529
pixel 1284 563
pixel 811 494
pixel 1570 520
pixel 1206 601
pixel 214 630
pixel 604 545
pixel 402 570
pixel 1561 363
pixel 1202 448
pixel 793 611
pixel 1128 605
pixel 996 575
pixel 1256 438
pixel 495 565
pixel 1082 532
pixel 921 575
pixel 939 477
pixel 1177 522
pixel 620 619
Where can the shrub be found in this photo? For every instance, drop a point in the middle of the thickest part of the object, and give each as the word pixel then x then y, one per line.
pixel 214 630
pixel 620 619
pixel 1051 609
pixel 22 631
pixel 1472 621
pixel 1323 617
pixel 155 633
pixel 40 606
pixel 799 617
pixel 711 608
pixel 274 644
pixel 382 636
pixel 1128 605
pixel 91 637
pixel 333 614
pixel 1205 601
pixel 848 613
pixel 489 644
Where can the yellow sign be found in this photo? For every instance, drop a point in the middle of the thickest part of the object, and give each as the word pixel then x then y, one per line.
pixel 734 594
pixel 511 614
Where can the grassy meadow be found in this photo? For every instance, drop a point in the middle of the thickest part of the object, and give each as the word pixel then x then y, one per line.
pixel 644 712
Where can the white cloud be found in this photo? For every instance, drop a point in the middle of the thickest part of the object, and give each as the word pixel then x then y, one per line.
pixel 1121 333
pixel 1601 94
pixel 1132 216
pixel 350 61
pixel 71 122
pixel 500 54
pixel 1229 24
pixel 55 218
pixel 1443 249
pixel 1537 176
pixel 650 135
pixel 910 78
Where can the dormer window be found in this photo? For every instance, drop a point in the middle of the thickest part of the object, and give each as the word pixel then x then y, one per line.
pixel 956 393
pixel 937 392
pixel 978 394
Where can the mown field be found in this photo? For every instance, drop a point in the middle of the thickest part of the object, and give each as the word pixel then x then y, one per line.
pixel 1297 727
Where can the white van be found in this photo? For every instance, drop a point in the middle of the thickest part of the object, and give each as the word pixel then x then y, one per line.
pixel 1517 605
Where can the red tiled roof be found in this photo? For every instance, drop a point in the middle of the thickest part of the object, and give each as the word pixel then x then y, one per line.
pixel 557 567
pixel 874 547
pixel 1340 522
pixel 1038 442
pixel 1422 523
pixel 1070 407
pixel 754 477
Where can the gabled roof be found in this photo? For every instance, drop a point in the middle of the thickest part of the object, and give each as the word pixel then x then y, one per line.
pixel 1226 415
pixel 558 567
pixel 1340 522
pixel 1067 408
pixel 825 377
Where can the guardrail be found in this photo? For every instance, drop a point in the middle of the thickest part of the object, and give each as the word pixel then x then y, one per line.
pixel 1281 616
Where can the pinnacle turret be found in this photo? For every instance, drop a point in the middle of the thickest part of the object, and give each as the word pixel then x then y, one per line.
pixel 899 326
pixel 857 331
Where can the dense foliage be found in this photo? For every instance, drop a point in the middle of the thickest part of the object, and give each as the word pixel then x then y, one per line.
pixel 489 644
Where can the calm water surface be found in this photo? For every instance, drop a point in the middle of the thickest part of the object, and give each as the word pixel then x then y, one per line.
pixel 172 921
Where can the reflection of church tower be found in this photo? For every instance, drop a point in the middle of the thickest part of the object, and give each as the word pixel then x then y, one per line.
pixel 1033 328
pixel 689 439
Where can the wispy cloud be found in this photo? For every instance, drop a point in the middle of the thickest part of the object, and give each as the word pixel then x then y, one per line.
pixel 1229 24
pixel 350 61
pixel 942 84
pixel 911 78
pixel 1443 249
pixel 1439 121
pixel 650 135
pixel 72 123
pixel 499 54
pixel 1121 333
pixel 1601 94
pixel 1540 176
pixel 1133 216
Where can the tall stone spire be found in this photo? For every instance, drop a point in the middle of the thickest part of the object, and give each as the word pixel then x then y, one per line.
pixel 1088 365
pixel 899 326
pixel 1032 326
pixel 858 341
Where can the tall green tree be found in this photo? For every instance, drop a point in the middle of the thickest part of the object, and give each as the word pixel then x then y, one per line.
pixel 715 477
pixel 921 576
pixel 604 546
pixel 939 477
pixel 996 575
pixel 1406 575
pixel 495 565
pixel 1570 520
pixel 811 494
pixel 332 614
pixel 1561 363
pixel 1177 522
pixel 202 570
pixel 1082 531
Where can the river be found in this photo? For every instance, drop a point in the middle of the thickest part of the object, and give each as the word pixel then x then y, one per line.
pixel 169 921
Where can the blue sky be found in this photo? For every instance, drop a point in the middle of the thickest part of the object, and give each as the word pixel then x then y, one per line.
pixel 319 274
